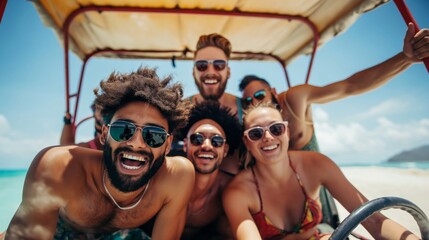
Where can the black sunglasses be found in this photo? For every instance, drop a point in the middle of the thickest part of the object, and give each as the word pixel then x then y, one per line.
pixel 256 133
pixel 259 95
pixel 153 136
pixel 203 65
pixel 197 139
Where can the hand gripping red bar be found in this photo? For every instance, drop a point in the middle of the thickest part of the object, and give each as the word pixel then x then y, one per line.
pixel 408 17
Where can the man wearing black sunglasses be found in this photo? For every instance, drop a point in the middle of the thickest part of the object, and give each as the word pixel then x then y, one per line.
pixel 73 192
pixel 211 133
pixel 211 72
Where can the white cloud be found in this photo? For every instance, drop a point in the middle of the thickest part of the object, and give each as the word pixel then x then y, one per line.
pixel 320 115
pixel 384 108
pixel 4 125
pixel 18 148
pixel 353 142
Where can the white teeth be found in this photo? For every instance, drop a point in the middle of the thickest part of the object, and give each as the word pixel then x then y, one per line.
pixel 205 156
pixel 130 167
pixel 268 148
pixel 135 158
pixel 210 81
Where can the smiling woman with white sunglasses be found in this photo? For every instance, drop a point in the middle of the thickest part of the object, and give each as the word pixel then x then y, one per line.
pixel 276 196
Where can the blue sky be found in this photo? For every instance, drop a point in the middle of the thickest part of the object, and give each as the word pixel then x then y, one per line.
pixel 366 128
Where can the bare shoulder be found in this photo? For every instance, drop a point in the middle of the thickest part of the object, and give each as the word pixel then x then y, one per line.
pixel 242 182
pixel 312 163
pixel 59 164
pixel 56 173
pixel 297 92
pixel 309 159
pixel 241 192
pixel 180 169
pixel 53 160
pixel 177 177
pixel 178 163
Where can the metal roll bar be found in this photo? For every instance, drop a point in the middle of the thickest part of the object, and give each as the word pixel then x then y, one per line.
pixel 376 205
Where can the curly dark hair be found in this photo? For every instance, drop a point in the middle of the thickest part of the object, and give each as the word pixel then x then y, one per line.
pixel 144 85
pixel 221 115
pixel 250 78
pixel 214 40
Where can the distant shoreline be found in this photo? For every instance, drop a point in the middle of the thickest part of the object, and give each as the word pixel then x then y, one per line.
pixel 403 165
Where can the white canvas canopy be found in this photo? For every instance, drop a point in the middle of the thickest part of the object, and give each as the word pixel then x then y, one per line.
pixel 167 28
pixel 279 30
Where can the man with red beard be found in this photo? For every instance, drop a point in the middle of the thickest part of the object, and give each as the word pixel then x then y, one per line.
pixel 211 72
pixel 73 192
pixel 211 133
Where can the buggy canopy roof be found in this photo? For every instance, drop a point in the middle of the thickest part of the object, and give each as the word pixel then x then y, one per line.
pixel 283 29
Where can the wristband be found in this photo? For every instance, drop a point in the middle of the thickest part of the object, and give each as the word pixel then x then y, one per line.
pixel 67 121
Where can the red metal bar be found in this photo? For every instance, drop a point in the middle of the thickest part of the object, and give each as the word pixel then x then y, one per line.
pixel 83 120
pixel 79 88
pixel 285 70
pixel 2 8
pixel 287 76
pixel 307 21
pixel 80 122
pixel 313 54
pixel 66 63
pixel 408 17
pixel 82 10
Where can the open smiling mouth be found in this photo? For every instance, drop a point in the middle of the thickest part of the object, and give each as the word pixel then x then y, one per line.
pixel 132 162
pixel 210 81
pixel 270 148
pixel 205 156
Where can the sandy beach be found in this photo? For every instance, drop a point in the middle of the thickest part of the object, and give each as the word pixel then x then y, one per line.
pixel 375 182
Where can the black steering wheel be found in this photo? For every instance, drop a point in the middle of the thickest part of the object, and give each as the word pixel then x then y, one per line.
pixel 376 205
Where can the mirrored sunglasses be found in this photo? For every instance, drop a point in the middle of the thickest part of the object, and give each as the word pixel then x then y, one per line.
pixel 197 139
pixel 203 65
pixel 153 136
pixel 256 133
pixel 259 95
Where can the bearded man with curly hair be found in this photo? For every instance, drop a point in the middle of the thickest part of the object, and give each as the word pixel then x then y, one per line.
pixel 73 192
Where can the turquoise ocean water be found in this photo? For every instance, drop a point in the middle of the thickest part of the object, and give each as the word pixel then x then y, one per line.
pixel 11 182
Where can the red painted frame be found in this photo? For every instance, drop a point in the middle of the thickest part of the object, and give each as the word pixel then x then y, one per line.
pixel 2 8
pixel 82 10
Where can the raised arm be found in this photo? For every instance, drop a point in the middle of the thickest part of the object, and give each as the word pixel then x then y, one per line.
pixel 37 215
pixel 170 221
pixel 67 136
pixel 416 48
pixel 379 226
pixel 235 204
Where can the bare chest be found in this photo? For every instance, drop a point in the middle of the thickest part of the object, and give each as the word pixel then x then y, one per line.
pixel 92 213
pixel 202 212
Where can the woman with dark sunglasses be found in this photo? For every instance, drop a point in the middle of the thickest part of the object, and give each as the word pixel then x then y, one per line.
pixel 277 195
